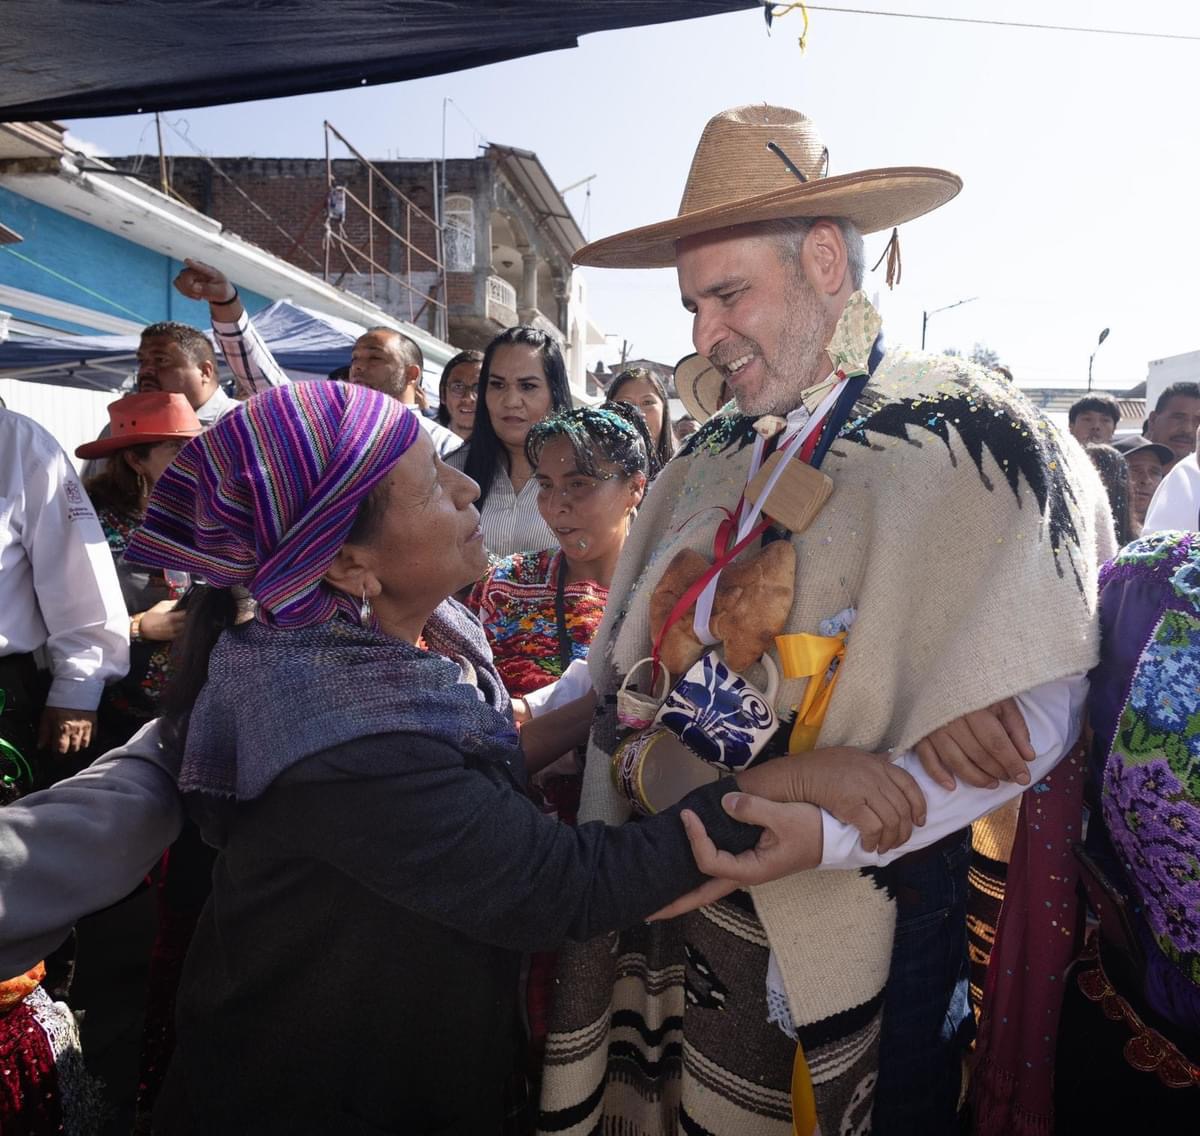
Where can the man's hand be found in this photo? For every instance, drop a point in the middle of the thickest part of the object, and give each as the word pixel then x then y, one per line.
pixel 65 731
pixel 200 281
pixel 791 842
pixel 162 622
pixel 982 748
pixel 858 788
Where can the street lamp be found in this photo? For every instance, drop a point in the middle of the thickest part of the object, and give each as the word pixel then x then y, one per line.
pixel 925 315
pixel 1103 337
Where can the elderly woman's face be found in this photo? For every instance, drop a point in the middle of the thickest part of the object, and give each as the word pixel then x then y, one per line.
pixel 428 544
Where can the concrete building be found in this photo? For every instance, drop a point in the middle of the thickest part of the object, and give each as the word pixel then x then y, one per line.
pixel 85 247
pixel 1162 373
pixel 504 256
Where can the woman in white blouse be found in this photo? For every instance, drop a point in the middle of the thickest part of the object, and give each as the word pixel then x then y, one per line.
pixel 522 380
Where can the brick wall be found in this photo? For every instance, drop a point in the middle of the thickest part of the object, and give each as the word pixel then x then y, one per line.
pixel 292 192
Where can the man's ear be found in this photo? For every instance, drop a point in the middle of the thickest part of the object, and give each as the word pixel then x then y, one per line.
pixel 823 258
pixel 352 572
pixel 412 375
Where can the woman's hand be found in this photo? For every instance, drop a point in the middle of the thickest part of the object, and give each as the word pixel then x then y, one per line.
pixel 791 842
pixel 982 748
pixel 857 788
pixel 162 623
pixel 547 737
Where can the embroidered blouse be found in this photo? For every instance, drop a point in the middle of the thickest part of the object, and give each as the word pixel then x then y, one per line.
pixel 516 604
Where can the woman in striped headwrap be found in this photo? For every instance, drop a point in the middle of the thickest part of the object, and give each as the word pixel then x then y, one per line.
pixel 351 754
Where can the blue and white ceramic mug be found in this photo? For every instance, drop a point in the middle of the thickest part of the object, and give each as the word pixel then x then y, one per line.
pixel 718 715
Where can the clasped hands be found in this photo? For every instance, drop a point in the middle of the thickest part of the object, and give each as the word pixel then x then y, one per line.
pixel 856 787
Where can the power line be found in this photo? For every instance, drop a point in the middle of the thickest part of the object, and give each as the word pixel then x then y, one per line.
pixel 74 283
pixel 1005 23
pixel 238 189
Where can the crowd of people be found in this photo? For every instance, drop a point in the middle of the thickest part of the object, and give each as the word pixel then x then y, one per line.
pixel 511 766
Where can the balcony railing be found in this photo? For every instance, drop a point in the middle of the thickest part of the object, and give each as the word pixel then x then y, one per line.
pixel 501 301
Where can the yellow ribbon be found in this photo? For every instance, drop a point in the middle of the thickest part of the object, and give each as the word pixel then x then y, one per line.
pixel 804 1104
pixel 810 656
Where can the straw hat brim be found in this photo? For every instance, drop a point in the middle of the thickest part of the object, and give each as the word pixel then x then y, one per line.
pixel 103 447
pixel 698 385
pixel 870 199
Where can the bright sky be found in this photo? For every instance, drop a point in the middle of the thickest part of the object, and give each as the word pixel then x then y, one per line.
pixel 1078 153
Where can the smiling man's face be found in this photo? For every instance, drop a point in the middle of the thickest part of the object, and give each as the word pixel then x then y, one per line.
pixel 756 317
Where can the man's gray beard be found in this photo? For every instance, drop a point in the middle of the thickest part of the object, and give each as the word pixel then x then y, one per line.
pixel 800 349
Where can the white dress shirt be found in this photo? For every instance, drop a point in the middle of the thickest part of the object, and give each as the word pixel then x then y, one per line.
pixel 58 585
pixel 1054 714
pixel 511 521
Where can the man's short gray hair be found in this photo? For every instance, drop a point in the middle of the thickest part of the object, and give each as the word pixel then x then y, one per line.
pixel 789 233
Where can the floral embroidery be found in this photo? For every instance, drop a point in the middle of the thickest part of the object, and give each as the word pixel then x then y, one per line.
pixel 1150 549
pixel 515 604
pixel 1151 790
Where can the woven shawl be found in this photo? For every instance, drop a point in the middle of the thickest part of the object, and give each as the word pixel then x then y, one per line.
pixel 275 696
pixel 966 535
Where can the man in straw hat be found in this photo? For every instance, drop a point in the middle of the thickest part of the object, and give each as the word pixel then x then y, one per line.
pixel 957 556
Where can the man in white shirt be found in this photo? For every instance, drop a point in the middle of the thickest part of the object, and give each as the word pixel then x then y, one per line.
pixel 383 359
pixel 58 594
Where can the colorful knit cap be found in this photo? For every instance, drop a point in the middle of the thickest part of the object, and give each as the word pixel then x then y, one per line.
pixel 267 496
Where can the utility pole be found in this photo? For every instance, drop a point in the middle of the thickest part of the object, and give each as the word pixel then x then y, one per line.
pixel 925 315
pixel 162 156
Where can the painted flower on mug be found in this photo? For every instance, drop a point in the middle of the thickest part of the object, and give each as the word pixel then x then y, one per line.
pixel 717 715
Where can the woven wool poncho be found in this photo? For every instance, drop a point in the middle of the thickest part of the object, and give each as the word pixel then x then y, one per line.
pixel 966 534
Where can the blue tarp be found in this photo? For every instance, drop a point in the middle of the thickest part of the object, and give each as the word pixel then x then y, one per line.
pixel 306 344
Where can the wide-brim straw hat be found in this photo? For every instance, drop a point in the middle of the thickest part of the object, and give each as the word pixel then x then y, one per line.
pixel 140 419
pixel 765 163
pixel 699 386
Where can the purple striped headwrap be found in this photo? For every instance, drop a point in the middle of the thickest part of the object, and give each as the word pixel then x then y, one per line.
pixel 267 496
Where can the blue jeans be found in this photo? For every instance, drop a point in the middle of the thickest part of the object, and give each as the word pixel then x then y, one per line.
pixel 927 1019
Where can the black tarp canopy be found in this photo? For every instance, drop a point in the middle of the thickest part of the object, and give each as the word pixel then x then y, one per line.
pixel 87 58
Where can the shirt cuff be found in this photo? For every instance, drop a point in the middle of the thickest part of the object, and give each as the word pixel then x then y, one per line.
pixel 224 327
pixel 75 693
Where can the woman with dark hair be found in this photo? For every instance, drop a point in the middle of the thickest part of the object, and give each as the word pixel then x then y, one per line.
pixel 641 387
pixel 1110 464
pixel 351 754
pixel 540 609
pixel 458 393
pixel 523 378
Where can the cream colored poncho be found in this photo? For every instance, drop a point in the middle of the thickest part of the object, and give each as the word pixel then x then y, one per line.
pixel 966 534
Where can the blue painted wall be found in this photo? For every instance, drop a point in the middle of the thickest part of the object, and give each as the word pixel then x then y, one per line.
pixel 67 259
